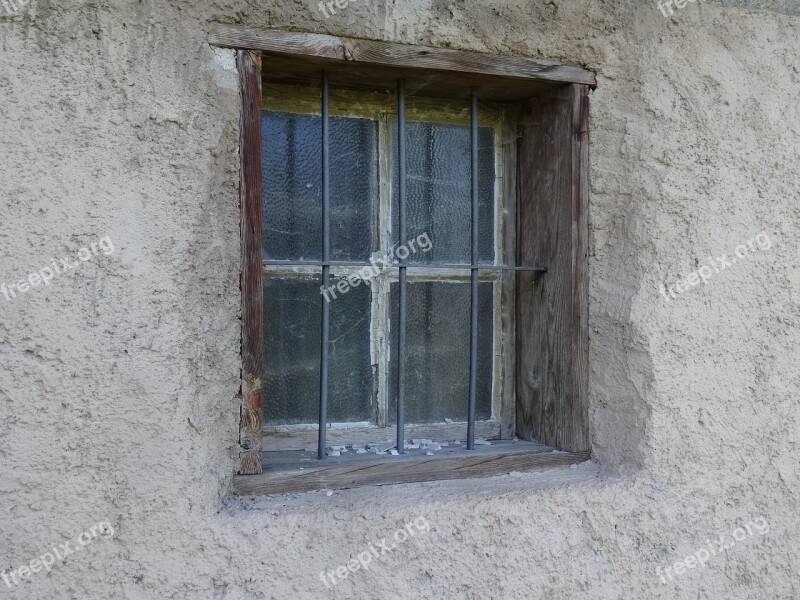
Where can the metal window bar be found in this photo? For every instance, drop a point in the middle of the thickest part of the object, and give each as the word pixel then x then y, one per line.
pixel 401 218
pixel 405 265
pixel 473 325
pixel 326 263
pixel 326 271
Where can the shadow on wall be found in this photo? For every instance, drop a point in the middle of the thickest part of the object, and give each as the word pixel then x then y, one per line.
pixel 619 355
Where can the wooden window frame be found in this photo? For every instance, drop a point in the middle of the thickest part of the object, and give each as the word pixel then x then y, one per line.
pixel 550 182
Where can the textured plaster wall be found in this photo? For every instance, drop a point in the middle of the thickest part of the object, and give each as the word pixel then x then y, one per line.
pixel 118 383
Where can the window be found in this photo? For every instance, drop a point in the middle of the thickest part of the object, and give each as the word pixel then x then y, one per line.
pixel 366 248
pixel 414 263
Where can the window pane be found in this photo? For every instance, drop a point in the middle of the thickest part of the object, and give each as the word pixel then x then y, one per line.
pixel 437 352
pixel 438 191
pixel 292 172
pixel 292 338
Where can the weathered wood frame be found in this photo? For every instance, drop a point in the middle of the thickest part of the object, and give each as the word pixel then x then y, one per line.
pixel 551 180
pixel 289 473
pixel 552 308
pixel 390 56
pixel 252 407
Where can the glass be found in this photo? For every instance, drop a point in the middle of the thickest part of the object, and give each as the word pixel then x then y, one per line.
pixel 292 186
pixel 292 339
pixel 438 202
pixel 437 351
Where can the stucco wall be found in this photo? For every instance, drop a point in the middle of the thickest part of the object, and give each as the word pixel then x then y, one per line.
pixel 119 379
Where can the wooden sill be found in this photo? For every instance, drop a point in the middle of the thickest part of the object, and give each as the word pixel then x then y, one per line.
pixel 298 471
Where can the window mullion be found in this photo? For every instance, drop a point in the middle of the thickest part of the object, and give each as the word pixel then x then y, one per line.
pixel 380 286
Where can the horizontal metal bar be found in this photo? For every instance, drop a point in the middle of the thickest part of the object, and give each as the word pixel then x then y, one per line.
pixel 321 263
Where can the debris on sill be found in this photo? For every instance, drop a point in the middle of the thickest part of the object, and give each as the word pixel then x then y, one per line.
pixel 381 448
pixel 424 445
pixel 429 444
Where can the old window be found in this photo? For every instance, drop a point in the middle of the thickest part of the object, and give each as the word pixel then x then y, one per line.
pixel 414 253
pixel 367 250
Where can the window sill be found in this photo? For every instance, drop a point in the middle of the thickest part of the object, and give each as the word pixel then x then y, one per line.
pixel 298 471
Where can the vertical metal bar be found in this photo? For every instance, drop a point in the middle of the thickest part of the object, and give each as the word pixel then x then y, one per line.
pixel 473 326
pixel 401 237
pixel 326 271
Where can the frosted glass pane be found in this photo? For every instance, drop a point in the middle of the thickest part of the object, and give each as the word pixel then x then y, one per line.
pixel 292 338
pixel 437 352
pixel 292 187
pixel 438 191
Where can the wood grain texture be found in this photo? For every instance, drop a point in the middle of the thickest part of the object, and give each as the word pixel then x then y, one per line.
pixel 386 54
pixel 356 471
pixel 252 408
pixel 298 70
pixel 552 308
pixel 277 438
pixel 507 219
